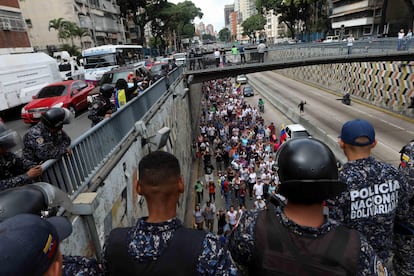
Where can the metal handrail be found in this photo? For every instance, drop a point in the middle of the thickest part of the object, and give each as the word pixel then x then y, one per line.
pixel 295 52
pixel 73 173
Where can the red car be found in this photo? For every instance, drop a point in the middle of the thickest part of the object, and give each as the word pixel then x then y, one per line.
pixel 70 94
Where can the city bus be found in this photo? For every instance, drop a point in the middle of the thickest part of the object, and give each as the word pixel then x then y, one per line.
pixel 98 60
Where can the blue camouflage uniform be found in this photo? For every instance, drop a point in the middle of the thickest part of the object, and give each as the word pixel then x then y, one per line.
pixel 377 194
pixel 242 240
pixel 99 108
pixel 146 242
pixel 404 242
pixel 13 171
pixel 80 266
pixel 40 144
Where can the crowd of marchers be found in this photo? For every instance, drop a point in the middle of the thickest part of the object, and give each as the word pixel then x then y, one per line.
pixel 287 184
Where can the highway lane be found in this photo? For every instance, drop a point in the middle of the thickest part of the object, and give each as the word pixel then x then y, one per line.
pixel 323 109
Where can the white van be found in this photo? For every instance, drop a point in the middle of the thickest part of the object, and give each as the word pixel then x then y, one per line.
pixel 23 75
pixel 296 131
pixel 68 66
pixel 180 58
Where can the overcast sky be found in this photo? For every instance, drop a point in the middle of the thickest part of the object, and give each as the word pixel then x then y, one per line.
pixel 213 11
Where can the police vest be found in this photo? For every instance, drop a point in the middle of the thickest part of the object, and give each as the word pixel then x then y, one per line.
pixel 179 258
pixel 279 252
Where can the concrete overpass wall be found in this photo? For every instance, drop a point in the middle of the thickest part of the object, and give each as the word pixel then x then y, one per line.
pixel 116 202
pixel 388 85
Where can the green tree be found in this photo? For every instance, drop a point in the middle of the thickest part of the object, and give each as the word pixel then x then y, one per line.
pixel 207 37
pixel 225 35
pixel 58 24
pixel 141 12
pixel 252 24
pixel 68 30
pixel 178 20
pixel 293 12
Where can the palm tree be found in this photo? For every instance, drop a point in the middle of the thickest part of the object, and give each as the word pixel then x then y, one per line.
pixel 81 33
pixel 59 25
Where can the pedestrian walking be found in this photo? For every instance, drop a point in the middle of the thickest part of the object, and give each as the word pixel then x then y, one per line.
pixel 261 48
pixel 400 40
pixel 349 43
pixel 199 188
pixel 209 212
pixel 301 106
pixel 242 53
pixel 407 40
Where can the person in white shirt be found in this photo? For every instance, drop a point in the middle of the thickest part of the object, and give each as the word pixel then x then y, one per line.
pixel 231 217
pixel 260 204
pixel 400 39
pixel 350 43
pixel 258 189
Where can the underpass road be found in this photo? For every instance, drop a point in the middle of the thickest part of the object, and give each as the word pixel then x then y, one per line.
pixel 323 110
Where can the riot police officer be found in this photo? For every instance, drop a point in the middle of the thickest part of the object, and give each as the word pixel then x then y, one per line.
pixel 14 171
pixel 101 106
pixel 47 140
pixel 296 238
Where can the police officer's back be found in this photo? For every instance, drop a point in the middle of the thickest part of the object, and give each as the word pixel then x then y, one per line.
pixel 159 244
pixel 296 239
pixel 101 106
pixel 377 193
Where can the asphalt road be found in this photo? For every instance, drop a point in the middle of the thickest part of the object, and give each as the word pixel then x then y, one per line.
pixel 323 110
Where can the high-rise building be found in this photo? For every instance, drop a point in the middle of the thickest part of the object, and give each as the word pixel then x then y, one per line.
pixel 210 29
pixel 228 9
pixel 371 17
pixel 13 34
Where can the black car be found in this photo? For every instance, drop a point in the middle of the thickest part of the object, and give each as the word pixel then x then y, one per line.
pixel 114 75
pixel 248 91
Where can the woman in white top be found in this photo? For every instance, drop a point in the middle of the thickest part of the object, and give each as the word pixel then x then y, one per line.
pixel 231 217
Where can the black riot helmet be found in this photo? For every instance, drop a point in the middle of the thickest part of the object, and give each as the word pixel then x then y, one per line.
pixel 106 90
pixel 8 137
pixel 308 171
pixel 56 117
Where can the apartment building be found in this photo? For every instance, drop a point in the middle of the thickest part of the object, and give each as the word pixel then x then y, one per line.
pixel 100 17
pixel 370 18
pixel 13 35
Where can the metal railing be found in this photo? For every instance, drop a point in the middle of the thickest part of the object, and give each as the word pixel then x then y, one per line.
pixel 73 173
pixel 293 52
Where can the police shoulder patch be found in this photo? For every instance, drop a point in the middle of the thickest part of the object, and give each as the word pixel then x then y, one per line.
pixel 40 140
pixel 380 269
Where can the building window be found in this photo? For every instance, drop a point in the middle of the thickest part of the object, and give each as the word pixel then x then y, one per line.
pixel 377 12
pixel 28 23
pixel 367 30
